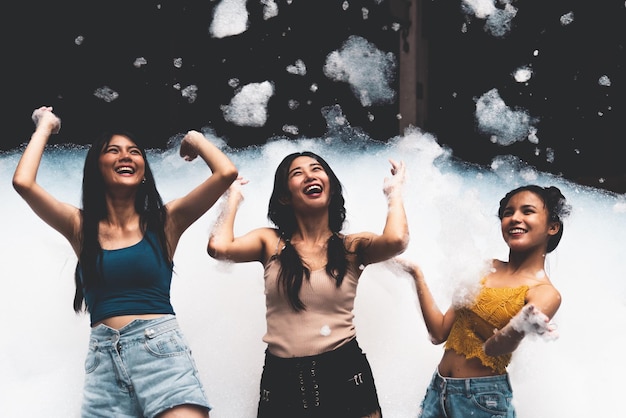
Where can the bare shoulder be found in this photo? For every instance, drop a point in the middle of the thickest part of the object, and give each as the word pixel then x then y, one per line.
pixel 270 239
pixel 497 264
pixel 358 240
pixel 544 296
pixel 543 287
pixel 266 234
pixel 494 273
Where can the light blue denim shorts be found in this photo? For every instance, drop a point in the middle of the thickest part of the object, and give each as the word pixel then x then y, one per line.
pixel 479 397
pixel 139 370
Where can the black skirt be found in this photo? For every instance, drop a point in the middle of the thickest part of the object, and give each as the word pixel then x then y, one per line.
pixel 336 384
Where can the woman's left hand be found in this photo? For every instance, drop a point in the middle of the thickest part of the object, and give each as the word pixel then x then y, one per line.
pixel 394 183
pixel 530 320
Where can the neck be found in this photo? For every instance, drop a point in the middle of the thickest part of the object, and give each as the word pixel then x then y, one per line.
pixel 313 229
pixel 121 214
pixel 532 260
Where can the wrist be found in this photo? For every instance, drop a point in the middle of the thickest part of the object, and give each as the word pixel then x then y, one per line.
pixel 393 193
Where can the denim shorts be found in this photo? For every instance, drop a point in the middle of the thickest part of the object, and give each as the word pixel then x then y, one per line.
pixel 139 370
pixel 479 397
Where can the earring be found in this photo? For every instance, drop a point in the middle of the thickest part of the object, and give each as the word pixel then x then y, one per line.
pixel 143 181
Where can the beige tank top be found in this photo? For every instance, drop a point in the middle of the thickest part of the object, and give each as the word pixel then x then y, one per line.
pixel 324 325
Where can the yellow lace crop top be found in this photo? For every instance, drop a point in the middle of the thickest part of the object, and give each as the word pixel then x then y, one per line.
pixel 495 306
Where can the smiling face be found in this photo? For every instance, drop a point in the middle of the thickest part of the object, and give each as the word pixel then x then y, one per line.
pixel 121 162
pixel 291 193
pixel 525 222
pixel 308 183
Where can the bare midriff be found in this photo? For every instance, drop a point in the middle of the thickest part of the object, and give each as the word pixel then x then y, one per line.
pixel 117 322
pixel 456 365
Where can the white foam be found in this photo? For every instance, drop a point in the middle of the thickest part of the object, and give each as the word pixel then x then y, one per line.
pixel 452 215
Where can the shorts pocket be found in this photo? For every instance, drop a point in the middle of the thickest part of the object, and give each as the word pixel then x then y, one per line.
pixel 353 385
pixel 492 402
pixel 92 360
pixel 166 344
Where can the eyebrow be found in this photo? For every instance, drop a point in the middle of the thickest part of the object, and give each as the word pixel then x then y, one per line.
pixel 132 146
pixel 300 167
pixel 527 206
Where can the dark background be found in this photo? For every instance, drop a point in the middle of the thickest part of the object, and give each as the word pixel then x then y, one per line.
pixel 580 120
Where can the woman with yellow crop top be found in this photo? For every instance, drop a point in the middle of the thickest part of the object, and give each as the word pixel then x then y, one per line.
pixel 138 363
pixel 314 366
pixel 515 298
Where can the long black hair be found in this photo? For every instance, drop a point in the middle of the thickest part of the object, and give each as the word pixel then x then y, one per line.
pixel 148 204
pixel 555 203
pixel 282 215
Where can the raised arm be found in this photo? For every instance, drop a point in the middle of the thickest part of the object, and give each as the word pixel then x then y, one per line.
pixel 256 245
pixel 61 216
pixel 437 323
pixel 395 236
pixel 184 211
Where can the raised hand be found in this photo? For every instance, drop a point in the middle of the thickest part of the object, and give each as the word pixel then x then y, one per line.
pixel 234 191
pixel 43 116
pixel 393 184
pixel 188 147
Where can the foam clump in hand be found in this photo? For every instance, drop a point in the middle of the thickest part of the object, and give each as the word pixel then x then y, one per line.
pixel 531 320
pixel 43 111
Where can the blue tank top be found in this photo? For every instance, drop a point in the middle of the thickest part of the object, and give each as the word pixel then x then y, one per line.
pixel 135 280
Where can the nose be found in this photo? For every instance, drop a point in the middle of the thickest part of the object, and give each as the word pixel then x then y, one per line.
pixel 309 175
pixel 125 155
pixel 516 216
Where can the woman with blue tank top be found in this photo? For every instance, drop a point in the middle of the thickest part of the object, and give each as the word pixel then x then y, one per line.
pixel 138 363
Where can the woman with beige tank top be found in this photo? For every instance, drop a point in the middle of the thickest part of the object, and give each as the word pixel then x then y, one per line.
pixel 314 366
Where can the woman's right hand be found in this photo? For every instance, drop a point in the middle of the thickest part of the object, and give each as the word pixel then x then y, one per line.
pixel 407 266
pixel 44 118
pixel 234 192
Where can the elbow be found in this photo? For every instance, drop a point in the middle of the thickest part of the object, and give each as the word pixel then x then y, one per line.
pixel 404 240
pixel 492 350
pixel 437 334
pixel 231 174
pixel 211 249
pixel 488 349
pixel 400 242
pixel 226 176
pixel 499 345
pixel 214 250
pixel 437 339
pixel 17 186
pixel 226 171
pixel 21 186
